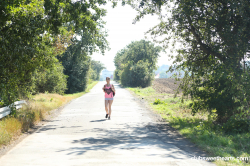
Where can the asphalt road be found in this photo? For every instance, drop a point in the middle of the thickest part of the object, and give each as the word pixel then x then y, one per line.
pixel 81 136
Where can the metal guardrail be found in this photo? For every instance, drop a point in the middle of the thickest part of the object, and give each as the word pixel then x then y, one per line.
pixel 6 110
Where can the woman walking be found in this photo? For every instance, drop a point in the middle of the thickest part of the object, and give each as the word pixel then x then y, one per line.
pixel 109 90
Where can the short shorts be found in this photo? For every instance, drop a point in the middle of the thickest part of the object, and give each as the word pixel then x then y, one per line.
pixel 109 98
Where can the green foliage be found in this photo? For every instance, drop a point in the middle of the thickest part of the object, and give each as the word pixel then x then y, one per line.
pixel 196 106
pixel 135 63
pixel 116 75
pixel 76 66
pixel 141 74
pixel 213 50
pixel 31 37
pixel 96 68
pixel 158 101
pixel 237 126
pixel 77 62
pixel 50 80
pixel 22 46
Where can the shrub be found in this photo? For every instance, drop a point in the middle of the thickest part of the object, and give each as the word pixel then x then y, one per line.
pixel 50 80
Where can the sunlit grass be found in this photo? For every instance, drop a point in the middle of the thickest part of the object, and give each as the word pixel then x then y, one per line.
pixel 198 128
pixel 9 129
pixel 37 109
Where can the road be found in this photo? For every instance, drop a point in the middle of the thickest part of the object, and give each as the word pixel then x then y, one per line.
pixel 81 135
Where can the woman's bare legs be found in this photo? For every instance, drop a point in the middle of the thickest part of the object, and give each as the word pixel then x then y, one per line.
pixel 106 106
pixel 110 103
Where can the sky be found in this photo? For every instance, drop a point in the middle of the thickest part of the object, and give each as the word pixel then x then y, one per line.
pixel 122 32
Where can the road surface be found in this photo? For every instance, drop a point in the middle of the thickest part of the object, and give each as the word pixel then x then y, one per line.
pixel 81 136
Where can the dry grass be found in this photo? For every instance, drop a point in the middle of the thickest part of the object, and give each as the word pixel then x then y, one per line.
pixel 36 110
pixel 9 129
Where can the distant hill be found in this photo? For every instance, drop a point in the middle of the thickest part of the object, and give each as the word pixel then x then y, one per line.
pixel 161 72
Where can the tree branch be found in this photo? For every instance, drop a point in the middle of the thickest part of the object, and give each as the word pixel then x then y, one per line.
pixel 203 46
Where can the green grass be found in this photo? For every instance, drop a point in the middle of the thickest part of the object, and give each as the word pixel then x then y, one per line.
pixel 38 108
pixel 198 128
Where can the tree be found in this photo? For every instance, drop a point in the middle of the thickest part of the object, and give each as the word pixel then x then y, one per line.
pixel 28 32
pixel 97 67
pixel 215 41
pixel 77 62
pixel 118 61
pixel 135 63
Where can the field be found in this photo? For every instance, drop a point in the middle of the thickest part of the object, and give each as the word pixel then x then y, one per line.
pixel 165 85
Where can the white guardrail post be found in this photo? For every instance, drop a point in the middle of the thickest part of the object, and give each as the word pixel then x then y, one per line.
pixel 6 110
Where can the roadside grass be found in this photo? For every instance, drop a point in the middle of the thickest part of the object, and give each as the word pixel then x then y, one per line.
pixel 37 109
pixel 199 129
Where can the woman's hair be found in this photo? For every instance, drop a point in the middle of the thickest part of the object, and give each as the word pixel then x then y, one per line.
pixel 107 78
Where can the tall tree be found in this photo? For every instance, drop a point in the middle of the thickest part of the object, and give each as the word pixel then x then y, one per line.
pixel 77 61
pixel 215 41
pixel 77 65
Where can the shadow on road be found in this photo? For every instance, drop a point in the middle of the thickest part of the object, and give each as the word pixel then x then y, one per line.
pixel 101 120
pixel 55 127
pixel 133 137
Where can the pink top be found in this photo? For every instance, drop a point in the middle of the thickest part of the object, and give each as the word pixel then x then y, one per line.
pixel 108 91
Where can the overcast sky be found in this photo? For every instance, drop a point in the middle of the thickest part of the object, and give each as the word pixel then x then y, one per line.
pixel 122 32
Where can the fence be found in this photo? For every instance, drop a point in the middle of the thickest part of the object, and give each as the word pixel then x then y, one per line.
pixel 6 110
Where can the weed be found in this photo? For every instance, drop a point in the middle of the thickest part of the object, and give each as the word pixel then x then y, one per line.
pixel 158 101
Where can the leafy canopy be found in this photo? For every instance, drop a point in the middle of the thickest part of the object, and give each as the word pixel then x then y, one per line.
pixel 215 40
pixel 31 36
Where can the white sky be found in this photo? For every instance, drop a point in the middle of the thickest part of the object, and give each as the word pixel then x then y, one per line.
pixel 122 32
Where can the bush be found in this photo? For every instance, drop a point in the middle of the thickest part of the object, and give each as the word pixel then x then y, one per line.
pixel 137 75
pixel 50 80
pixel 237 126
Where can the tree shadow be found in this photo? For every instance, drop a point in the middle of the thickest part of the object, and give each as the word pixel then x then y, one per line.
pixel 132 137
pixel 54 127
